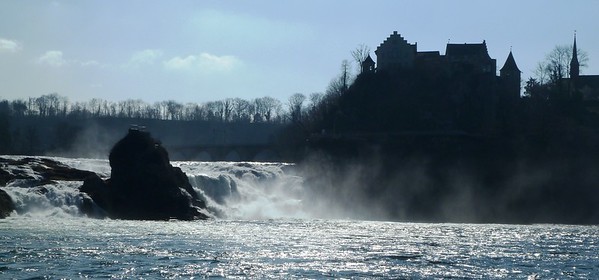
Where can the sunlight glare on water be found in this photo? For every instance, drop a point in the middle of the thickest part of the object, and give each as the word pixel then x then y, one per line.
pixel 264 229
pixel 81 247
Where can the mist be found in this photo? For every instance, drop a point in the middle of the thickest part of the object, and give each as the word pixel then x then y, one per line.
pixel 428 189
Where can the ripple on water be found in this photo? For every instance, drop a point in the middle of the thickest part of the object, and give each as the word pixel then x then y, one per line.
pixel 79 247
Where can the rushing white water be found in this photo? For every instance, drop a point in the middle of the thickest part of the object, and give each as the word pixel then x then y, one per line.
pixel 247 190
pixel 232 190
pixel 266 229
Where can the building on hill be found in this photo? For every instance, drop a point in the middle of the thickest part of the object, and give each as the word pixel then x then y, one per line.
pixel 396 53
pixel 470 74
pixel 581 87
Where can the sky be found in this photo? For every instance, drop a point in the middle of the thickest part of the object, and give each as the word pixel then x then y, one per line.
pixel 200 51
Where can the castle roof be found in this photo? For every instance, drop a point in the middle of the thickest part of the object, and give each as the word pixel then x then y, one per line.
pixel 428 54
pixel 510 64
pixel 461 50
pixel 368 60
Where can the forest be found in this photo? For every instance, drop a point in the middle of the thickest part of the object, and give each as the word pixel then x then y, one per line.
pixel 51 124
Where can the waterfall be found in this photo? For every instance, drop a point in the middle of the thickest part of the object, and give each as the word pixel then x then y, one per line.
pixel 232 190
pixel 247 190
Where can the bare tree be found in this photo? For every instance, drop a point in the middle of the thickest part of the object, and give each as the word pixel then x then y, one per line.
pixel 339 85
pixel 266 109
pixel 227 109
pixel 346 74
pixel 42 106
pixel 241 110
pixel 315 99
pixel 540 73
pixel 174 110
pixel 557 63
pixel 215 110
pixel 360 54
pixel 95 107
pixel 296 102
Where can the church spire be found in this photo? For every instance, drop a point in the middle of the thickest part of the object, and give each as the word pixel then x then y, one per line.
pixel 574 65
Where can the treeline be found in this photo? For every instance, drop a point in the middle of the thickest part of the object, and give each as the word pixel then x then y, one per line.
pixel 259 110
pixel 51 124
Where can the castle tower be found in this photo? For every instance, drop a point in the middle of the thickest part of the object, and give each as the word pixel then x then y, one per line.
pixel 510 77
pixel 368 65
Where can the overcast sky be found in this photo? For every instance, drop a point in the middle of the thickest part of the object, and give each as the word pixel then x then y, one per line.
pixel 197 51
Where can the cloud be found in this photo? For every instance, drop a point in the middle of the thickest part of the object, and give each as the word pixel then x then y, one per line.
pixel 7 45
pixel 144 57
pixel 205 62
pixel 90 63
pixel 56 59
pixel 254 32
pixel 52 58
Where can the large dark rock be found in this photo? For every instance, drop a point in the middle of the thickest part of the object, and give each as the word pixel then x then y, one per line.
pixel 143 184
pixel 6 205
pixel 45 171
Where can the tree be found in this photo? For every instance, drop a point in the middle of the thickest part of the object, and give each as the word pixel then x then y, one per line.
pixel 19 107
pixel 227 109
pixel 540 73
pixel 174 110
pixel 266 109
pixel 537 90
pixel 338 86
pixel 315 99
pixel 215 110
pixel 241 110
pixel 296 102
pixel 557 64
pixel 5 134
pixel 360 54
pixel 95 107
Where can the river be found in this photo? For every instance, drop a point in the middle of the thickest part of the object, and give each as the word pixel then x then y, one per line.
pixel 263 229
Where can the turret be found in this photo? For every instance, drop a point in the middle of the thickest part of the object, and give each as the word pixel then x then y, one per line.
pixel 368 65
pixel 510 77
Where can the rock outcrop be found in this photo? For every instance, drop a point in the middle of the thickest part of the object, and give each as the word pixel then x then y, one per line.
pixel 6 205
pixel 143 184
pixel 45 171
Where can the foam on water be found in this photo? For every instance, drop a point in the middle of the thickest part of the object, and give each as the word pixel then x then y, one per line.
pixel 232 190
pixel 62 199
pixel 247 190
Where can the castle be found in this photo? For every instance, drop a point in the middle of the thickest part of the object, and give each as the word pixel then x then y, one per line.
pixel 396 53
pixel 463 89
